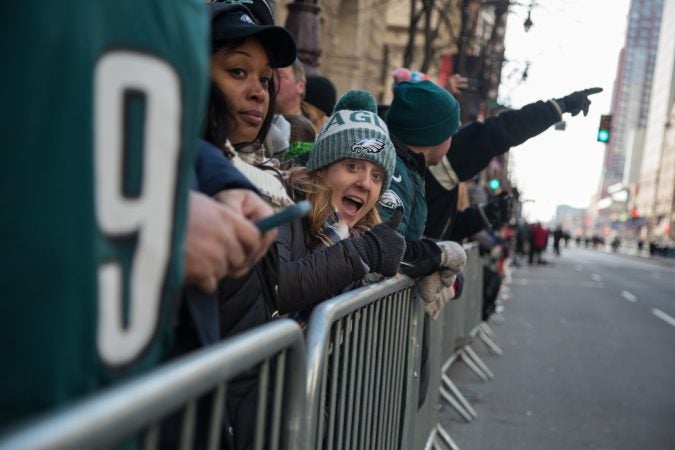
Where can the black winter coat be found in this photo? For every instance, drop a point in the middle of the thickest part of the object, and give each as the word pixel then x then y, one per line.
pixel 308 277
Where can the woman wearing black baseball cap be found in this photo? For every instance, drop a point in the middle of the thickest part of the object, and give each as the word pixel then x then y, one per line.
pixel 243 57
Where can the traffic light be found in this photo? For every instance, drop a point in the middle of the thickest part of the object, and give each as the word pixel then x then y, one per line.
pixel 494 184
pixel 604 131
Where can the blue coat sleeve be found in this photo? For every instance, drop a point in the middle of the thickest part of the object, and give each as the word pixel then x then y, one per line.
pixel 215 172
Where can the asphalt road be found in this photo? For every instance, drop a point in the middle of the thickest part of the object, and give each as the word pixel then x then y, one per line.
pixel 589 360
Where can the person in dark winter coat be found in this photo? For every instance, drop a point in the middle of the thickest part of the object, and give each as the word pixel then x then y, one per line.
pixel 422 119
pixel 472 148
pixel 239 115
pixel 342 239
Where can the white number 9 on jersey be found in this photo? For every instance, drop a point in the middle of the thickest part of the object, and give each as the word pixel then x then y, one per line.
pixel 149 215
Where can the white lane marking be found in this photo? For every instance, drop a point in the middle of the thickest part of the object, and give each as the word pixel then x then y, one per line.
pixel 663 316
pixel 628 296
pixel 596 277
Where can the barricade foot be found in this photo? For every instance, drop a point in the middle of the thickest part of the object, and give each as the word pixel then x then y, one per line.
pixel 489 343
pixel 445 438
pixel 453 394
pixel 486 329
pixel 439 436
pixel 455 405
pixel 464 356
pixel 479 362
pixel 497 317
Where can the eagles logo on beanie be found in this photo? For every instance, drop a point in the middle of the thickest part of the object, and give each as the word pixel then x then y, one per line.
pixel 355 131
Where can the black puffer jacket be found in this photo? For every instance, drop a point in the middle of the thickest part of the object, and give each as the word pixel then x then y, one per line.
pixel 308 277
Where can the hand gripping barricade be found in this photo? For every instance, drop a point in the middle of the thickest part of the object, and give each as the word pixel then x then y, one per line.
pixel 134 410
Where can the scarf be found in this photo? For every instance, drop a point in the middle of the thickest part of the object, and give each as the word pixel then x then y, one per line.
pixel 333 232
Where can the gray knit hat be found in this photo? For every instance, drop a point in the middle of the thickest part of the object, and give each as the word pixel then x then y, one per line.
pixel 355 131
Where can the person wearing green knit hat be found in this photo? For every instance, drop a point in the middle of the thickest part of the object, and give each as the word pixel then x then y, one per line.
pixel 341 244
pixel 422 119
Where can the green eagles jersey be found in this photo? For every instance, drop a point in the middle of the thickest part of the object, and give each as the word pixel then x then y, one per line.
pixel 101 104
pixel 405 190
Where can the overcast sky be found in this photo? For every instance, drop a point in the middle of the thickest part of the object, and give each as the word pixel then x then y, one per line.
pixel 572 45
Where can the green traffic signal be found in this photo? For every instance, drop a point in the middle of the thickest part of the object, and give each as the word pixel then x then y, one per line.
pixel 494 184
pixel 605 127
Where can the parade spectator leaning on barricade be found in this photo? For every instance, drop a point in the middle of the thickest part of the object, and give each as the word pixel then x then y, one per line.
pixel 70 255
pixel 341 244
pixel 240 111
pixel 421 120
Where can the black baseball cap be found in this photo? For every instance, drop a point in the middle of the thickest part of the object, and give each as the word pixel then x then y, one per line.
pixel 261 9
pixel 235 21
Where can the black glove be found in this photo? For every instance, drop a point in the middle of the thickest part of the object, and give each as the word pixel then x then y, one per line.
pixel 498 210
pixel 577 101
pixel 382 247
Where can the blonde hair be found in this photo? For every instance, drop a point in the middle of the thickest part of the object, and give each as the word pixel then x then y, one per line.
pixel 311 185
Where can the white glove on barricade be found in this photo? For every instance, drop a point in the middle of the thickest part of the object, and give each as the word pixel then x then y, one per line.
pixel 437 289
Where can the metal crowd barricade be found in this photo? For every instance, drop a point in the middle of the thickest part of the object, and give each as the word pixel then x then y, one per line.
pixel 449 335
pixel 135 409
pixel 362 368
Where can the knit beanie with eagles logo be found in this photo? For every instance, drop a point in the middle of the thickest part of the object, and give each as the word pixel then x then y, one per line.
pixel 355 131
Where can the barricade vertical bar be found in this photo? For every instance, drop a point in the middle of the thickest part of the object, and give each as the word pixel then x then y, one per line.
pixel 412 425
pixel 393 371
pixel 261 411
pixel 391 378
pixel 333 370
pixel 353 374
pixel 377 371
pixel 324 401
pixel 343 381
pixel 396 383
pixel 216 417
pixel 279 379
pixel 369 382
pixel 406 352
pixel 152 438
pixel 384 388
pixel 360 375
pixel 188 428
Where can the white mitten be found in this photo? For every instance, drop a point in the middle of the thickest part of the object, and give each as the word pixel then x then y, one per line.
pixel 453 255
pixel 431 289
